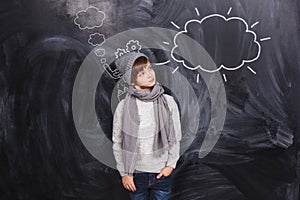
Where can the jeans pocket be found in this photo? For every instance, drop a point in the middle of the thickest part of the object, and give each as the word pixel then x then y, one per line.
pixel 163 183
pixel 163 178
pixel 167 176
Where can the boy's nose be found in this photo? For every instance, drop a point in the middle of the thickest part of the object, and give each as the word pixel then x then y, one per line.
pixel 149 74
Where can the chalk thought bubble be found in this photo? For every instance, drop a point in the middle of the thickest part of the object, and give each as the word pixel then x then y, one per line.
pixel 228 40
pixel 89 18
pixel 96 39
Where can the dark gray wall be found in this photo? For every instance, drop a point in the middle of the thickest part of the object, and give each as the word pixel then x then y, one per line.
pixel 41 155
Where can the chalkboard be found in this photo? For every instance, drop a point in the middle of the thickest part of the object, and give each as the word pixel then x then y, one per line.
pixel 232 67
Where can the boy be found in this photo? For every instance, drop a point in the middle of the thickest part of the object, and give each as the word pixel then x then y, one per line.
pixel 146 131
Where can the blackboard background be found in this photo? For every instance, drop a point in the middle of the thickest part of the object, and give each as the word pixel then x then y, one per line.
pixel 41 155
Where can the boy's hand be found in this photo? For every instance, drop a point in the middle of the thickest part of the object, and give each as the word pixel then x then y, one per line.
pixel 166 171
pixel 128 183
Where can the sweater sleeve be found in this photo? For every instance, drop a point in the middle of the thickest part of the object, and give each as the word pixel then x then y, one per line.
pixel 117 138
pixel 173 154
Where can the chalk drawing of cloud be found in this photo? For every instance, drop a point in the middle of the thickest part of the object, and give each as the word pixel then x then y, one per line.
pixel 89 18
pixel 99 52
pixel 251 35
pixel 96 39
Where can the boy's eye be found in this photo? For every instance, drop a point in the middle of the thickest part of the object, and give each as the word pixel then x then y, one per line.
pixel 143 72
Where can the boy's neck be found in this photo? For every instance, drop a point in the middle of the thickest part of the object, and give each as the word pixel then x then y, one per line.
pixel 142 88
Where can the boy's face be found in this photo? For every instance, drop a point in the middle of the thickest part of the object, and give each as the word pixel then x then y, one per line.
pixel 146 78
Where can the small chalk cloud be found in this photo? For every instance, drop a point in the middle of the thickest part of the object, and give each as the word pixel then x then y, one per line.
pixel 96 39
pixel 103 60
pixel 99 52
pixel 228 40
pixel 89 18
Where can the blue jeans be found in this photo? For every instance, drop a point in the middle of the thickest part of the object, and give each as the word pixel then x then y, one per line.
pixel 148 187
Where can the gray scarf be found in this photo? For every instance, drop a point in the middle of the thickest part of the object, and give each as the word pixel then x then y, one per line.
pixel 165 132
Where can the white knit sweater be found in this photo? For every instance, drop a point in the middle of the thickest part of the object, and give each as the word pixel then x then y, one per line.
pixel 148 162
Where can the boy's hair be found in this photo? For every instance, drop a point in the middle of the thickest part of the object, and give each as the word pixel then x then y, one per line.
pixel 138 66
